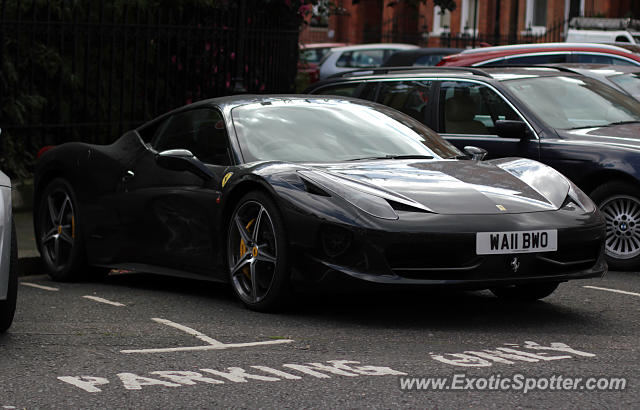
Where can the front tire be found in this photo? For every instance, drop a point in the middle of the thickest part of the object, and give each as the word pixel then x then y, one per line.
pixel 525 293
pixel 8 306
pixel 619 203
pixel 257 253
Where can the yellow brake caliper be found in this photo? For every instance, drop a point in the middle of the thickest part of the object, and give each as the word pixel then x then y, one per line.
pixel 243 250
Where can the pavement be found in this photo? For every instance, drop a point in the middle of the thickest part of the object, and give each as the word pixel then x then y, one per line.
pixel 144 341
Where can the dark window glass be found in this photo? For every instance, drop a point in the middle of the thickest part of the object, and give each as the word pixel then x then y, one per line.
pixel 362 58
pixel 345 90
pixel 201 131
pixel 471 108
pixel 320 130
pixel 537 59
pixel 410 97
pixel 429 60
pixel 629 82
pixel 539 13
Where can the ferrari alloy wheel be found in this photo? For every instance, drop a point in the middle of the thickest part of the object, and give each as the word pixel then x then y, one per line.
pixel 525 293
pixel 256 253
pixel 619 204
pixel 58 236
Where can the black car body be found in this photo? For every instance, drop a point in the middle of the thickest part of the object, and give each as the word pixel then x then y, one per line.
pixel 288 181
pixel 526 112
pixel 428 56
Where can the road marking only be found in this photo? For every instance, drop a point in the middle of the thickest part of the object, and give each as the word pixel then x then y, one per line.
pixel 212 344
pixel 102 300
pixel 34 285
pixel 624 292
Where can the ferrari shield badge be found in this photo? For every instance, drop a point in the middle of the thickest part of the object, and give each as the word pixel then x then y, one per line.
pixel 226 178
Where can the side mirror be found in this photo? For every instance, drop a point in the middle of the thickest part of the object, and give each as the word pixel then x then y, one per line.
pixel 476 153
pixel 183 160
pixel 512 129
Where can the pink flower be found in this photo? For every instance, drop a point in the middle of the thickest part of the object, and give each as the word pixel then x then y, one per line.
pixel 207 46
pixel 304 9
pixel 233 55
pixel 173 59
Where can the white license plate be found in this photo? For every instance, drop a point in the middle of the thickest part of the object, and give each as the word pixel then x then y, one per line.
pixel 488 243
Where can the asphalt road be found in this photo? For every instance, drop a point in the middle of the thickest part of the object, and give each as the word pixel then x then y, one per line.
pixel 69 351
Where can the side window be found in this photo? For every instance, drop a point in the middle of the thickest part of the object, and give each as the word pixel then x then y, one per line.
pixel 410 97
pixel 537 59
pixel 201 131
pixel 470 108
pixel 428 60
pixel 592 58
pixel 344 90
pixel 362 58
pixel 621 61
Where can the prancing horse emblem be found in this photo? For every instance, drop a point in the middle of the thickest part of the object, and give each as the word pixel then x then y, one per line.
pixel 515 264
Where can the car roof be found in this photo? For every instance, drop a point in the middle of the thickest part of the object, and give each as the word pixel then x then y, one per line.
pixel 429 50
pixel 601 70
pixel 398 46
pixel 545 46
pixel 498 73
pixel 321 45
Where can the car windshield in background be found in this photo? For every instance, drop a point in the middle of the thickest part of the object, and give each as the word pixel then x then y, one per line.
pixel 332 130
pixel 571 102
pixel 629 82
pixel 313 55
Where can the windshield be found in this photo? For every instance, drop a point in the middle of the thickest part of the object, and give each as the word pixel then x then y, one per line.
pixel 571 102
pixel 629 82
pixel 315 130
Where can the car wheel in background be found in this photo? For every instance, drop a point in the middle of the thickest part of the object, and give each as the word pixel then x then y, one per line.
pixel 525 293
pixel 257 253
pixel 8 306
pixel 619 203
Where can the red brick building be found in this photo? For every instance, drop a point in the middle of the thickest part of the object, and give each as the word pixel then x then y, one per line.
pixel 496 22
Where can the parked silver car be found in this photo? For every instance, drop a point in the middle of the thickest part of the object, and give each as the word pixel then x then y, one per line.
pixel 8 256
pixel 347 58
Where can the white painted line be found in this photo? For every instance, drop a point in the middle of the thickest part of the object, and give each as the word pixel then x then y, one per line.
pixel 624 292
pixel 188 330
pixel 222 346
pixel 33 285
pixel 101 300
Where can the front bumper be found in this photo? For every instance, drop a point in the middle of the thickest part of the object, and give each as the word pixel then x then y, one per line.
pixel 439 250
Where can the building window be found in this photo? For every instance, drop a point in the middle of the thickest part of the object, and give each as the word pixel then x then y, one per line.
pixel 469 17
pixel 536 17
pixel 320 14
pixel 441 21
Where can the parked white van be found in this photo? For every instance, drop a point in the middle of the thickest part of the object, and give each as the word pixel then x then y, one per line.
pixel 603 30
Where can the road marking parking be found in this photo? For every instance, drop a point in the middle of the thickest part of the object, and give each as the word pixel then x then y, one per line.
pixel 34 285
pixel 212 344
pixel 624 292
pixel 509 355
pixel 176 378
pixel 101 300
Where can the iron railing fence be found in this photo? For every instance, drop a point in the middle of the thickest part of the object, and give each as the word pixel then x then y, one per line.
pixel 87 70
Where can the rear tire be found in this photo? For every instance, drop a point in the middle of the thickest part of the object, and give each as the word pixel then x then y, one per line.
pixel 525 293
pixel 59 234
pixel 619 203
pixel 8 306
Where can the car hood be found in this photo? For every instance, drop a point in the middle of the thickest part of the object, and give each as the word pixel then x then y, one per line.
pixel 501 186
pixel 626 136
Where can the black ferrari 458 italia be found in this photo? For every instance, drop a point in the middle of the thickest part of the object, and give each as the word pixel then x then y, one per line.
pixel 268 192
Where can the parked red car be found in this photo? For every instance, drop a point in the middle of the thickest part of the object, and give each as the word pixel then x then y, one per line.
pixel 543 53
pixel 310 56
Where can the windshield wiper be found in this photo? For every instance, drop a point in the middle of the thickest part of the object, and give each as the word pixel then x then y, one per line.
pixel 389 156
pixel 622 123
